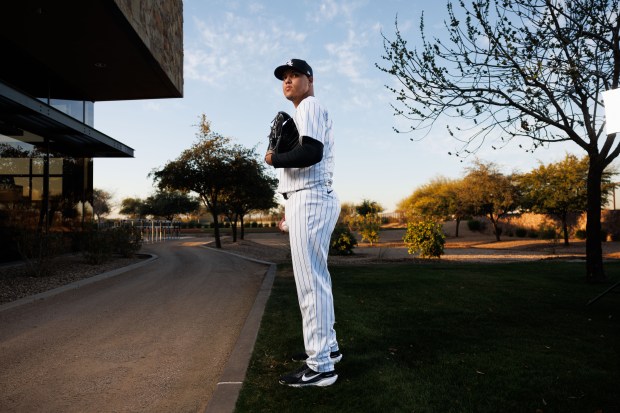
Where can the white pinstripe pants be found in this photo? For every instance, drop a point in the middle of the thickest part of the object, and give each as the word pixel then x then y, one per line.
pixel 311 215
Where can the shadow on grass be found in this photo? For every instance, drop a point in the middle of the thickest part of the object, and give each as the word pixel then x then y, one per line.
pixel 450 338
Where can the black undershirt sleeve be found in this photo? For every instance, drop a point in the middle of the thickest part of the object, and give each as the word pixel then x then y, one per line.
pixel 308 153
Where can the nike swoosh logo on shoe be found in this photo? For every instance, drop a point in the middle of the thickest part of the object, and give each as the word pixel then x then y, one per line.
pixel 304 378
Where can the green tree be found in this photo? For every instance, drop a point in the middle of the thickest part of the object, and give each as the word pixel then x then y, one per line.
pixel 168 204
pixel 368 220
pixel 133 207
pixel 368 207
pixel 438 200
pixel 559 189
pixel 251 189
pixel 527 69
pixel 488 192
pixel 101 203
pixel 204 169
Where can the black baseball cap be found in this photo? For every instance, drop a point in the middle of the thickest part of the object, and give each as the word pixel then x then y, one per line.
pixel 297 65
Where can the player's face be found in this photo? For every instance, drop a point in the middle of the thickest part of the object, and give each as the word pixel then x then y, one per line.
pixel 296 86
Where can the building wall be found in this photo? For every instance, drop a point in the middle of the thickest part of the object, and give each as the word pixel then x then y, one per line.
pixel 159 24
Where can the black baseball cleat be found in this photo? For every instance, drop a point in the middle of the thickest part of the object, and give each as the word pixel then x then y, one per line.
pixel 305 376
pixel 336 356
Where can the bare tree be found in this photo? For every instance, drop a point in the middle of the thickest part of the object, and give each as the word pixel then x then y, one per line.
pixel 527 69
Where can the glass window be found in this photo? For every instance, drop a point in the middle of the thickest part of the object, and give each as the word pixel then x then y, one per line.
pixel 89 114
pixel 22 190
pixel 73 108
pixel 84 111
pixel 23 183
pixel 56 166
pixel 55 187
pixel 14 166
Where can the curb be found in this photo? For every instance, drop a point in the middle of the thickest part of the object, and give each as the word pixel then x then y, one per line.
pixel 75 285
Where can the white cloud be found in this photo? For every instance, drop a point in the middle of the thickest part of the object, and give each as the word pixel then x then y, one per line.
pixel 229 49
pixel 255 7
pixel 348 58
pixel 329 10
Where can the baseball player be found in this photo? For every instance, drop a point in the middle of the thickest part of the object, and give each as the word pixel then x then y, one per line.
pixel 311 212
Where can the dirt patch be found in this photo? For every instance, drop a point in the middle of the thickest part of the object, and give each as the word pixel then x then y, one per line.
pixel 17 282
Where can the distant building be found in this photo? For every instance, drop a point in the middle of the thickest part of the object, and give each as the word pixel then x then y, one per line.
pixel 57 59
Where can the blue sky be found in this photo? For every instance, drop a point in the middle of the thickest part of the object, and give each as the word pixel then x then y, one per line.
pixel 230 51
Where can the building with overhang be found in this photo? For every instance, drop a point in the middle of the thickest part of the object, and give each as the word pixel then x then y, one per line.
pixel 58 59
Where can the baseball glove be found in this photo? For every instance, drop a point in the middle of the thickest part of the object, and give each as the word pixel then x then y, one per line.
pixel 284 135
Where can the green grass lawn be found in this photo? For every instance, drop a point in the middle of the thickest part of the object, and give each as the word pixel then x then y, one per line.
pixel 444 337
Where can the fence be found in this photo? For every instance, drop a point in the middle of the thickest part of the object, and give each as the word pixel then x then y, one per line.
pixel 153 230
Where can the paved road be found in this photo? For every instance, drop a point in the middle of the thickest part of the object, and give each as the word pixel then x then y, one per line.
pixel 153 339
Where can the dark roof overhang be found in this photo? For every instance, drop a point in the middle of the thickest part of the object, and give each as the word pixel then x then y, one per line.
pixel 19 112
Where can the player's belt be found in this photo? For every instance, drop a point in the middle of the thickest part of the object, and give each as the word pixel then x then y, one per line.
pixel 287 195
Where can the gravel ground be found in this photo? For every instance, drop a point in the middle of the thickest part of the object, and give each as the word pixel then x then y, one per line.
pixel 17 282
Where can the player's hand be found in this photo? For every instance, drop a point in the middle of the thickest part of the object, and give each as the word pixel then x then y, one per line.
pixel 268 157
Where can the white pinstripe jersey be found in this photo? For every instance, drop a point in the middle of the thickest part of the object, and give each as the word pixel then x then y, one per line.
pixel 311 120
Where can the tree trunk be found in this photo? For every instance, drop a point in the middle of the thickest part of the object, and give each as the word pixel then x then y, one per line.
pixel 456 231
pixel 594 250
pixel 233 227
pixel 216 229
pixel 565 228
pixel 242 227
pixel 496 230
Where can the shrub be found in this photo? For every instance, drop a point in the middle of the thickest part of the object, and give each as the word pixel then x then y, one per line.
pixel 342 241
pixel 521 232
pixel 475 225
pixel 580 234
pixel 127 240
pixel 426 237
pixel 369 226
pixel 99 245
pixel 547 233
pixel 38 250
